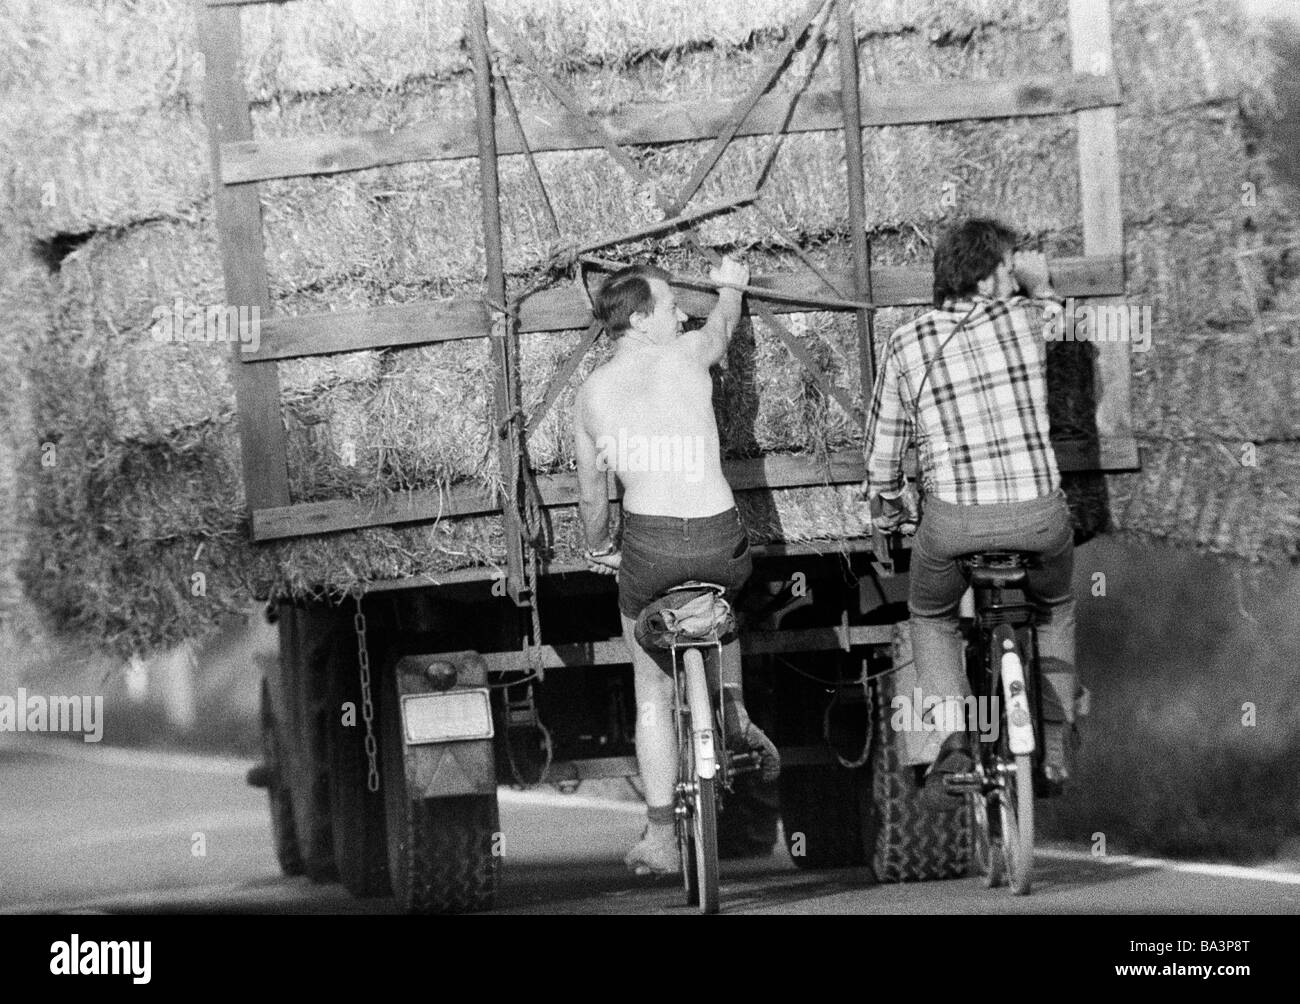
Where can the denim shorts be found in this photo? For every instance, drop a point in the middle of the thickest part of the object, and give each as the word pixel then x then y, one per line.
pixel 664 551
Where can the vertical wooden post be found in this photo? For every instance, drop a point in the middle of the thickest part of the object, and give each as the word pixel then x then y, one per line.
pixel 243 259
pixel 1103 221
pixel 505 389
pixel 851 108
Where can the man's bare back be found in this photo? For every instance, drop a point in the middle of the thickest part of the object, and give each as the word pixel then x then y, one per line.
pixel 647 414
pixel 650 414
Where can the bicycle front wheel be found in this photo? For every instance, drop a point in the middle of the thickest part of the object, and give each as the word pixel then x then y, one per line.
pixel 704 810
pixel 986 853
pixel 705 840
pixel 1017 812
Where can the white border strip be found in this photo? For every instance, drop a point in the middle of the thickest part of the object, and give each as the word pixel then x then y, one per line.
pixel 1163 864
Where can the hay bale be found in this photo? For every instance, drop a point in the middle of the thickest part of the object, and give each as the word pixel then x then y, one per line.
pixel 106 298
pixel 1199 492
pixel 117 557
pixel 120 170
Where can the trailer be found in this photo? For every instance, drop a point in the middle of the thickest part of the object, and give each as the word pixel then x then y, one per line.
pixel 395 712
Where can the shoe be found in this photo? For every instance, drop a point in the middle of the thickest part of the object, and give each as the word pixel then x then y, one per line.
pixel 954 758
pixel 753 740
pixel 1060 748
pixel 656 853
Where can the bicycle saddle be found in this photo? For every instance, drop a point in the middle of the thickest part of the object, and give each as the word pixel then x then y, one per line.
pixel 999 569
pixel 691 613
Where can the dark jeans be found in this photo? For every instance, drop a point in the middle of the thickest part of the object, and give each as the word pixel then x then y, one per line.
pixel 664 551
pixel 1040 525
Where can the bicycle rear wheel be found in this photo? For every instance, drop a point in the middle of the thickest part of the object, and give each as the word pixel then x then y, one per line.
pixel 986 850
pixel 1017 811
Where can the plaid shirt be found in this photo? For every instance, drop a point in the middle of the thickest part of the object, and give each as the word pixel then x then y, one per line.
pixel 982 417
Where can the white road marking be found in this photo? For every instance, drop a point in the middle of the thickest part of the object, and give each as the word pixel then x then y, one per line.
pixel 111 756
pixel 115 901
pixel 176 828
pixel 1162 864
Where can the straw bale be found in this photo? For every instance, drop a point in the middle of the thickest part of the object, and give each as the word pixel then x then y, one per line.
pixel 1171 56
pixel 74 174
pixel 1198 492
pixel 105 298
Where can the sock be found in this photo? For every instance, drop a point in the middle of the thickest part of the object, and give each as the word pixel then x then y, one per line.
pixel 660 815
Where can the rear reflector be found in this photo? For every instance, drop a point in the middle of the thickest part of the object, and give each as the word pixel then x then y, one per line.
pixel 456 714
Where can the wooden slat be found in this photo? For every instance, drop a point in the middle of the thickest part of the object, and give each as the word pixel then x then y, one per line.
pixel 565 309
pixel 613 651
pixel 239 227
pixel 668 122
pixel 846 467
pixel 1103 218
pixel 560 379
pixel 556 489
pixel 482 573
pixel 746 105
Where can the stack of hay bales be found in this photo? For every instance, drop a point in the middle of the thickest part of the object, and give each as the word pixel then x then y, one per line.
pixel 109 155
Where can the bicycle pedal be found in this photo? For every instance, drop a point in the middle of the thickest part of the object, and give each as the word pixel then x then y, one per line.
pixel 744 763
pixel 966 780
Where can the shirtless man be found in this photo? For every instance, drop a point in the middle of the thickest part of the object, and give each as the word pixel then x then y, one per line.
pixel 647 414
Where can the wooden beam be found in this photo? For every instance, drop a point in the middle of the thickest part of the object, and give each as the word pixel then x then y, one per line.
pixel 505 387
pixel 852 113
pixel 845 467
pixel 565 308
pixel 834 549
pixel 669 122
pixel 239 228
pixel 746 105
pixel 1103 217
pixel 561 377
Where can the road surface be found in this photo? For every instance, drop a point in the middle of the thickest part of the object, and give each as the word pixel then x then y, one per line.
pixel 91 829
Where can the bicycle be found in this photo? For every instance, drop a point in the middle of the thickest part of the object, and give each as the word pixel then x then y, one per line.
pixel 691 618
pixel 1003 667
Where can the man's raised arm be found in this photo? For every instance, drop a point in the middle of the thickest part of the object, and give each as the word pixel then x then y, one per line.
pixel 709 343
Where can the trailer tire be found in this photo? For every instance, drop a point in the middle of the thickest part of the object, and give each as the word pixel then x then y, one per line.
pixel 356 813
pixel 443 853
pixel 306 637
pixel 911 842
pixel 284 834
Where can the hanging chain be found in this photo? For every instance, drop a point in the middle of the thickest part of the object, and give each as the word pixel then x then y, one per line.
pixel 367 703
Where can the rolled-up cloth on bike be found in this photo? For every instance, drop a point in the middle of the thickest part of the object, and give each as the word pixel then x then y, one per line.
pixel 685 615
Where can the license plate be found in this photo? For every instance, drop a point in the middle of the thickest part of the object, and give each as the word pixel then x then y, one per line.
pixel 440 718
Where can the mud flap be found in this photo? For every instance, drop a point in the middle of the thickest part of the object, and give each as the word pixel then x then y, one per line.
pixel 444 696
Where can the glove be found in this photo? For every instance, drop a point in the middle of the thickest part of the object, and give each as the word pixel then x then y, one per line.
pixel 896 511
